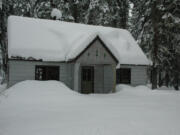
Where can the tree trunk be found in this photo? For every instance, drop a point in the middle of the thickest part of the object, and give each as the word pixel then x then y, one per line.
pixel 154 78
pixel 52 4
pixel 176 83
pixel 154 17
pixel 167 79
pixel 75 12
pixel 176 76
pixel 160 82
pixel 124 18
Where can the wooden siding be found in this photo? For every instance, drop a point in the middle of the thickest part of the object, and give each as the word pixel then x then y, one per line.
pixel 96 54
pixel 109 78
pixel 98 79
pixel 25 70
pixel 139 74
pixel 76 77
pixel 104 80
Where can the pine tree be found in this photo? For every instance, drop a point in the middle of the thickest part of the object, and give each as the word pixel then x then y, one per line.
pixel 7 8
pixel 171 39
pixel 158 36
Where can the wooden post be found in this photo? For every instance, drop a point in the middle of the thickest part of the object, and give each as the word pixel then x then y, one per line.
pixel 76 76
pixel 114 74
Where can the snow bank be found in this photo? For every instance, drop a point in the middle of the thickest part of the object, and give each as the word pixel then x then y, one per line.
pixel 122 87
pixel 30 92
pixel 62 41
pixel 2 88
pixel 50 108
pixel 144 90
pixel 34 88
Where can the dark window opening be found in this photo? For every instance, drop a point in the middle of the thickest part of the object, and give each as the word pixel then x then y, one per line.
pixel 47 73
pixel 87 74
pixel 123 75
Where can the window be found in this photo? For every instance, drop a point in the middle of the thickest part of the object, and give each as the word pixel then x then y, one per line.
pixel 123 75
pixel 87 74
pixel 47 73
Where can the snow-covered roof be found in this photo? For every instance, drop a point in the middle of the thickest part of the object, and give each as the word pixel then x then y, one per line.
pixel 63 41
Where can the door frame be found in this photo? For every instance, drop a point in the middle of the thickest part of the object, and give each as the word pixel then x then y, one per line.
pixel 92 72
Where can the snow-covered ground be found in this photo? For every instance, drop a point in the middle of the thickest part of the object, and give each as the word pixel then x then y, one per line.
pixel 50 108
pixel 2 87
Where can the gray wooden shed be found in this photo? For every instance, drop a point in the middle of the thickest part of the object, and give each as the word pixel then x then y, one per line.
pixel 88 67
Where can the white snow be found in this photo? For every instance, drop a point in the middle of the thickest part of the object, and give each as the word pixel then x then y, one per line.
pixel 62 41
pixel 169 15
pixel 2 87
pixel 56 13
pixel 50 108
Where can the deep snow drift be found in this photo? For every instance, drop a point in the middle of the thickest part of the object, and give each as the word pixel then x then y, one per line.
pixel 50 108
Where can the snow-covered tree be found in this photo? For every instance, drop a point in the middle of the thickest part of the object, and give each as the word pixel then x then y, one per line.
pixel 56 14
pixel 155 26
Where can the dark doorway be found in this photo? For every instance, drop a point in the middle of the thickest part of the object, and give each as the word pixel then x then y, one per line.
pixel 123 76
pixel 47 73
pixel 87 79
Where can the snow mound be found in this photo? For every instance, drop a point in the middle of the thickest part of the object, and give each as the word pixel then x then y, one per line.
pixel 56 13
pixel 63 41
pixel 45 86
pixel 143 90
pixel 140 88
pixel 31 89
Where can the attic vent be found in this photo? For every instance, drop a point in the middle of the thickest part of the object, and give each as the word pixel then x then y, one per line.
pixel 96 53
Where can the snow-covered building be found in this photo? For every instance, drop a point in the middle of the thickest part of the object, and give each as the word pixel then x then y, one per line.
pixel 88 59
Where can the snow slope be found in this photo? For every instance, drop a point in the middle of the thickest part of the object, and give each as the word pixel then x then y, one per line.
pixel 50 108
pixel 62 41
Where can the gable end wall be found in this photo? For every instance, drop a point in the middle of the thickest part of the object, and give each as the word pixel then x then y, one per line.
pixel 96 54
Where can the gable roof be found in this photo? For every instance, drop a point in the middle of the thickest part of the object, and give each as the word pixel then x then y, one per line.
pixel 63 41
pixel 103 44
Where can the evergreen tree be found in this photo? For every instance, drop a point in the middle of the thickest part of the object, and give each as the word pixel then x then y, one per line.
pixel 7 8
pixel 171 40
pixel 156 29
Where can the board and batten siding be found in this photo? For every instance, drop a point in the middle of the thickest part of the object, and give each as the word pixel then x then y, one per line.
pixel 98 78
pixel 104 66
pixel 25 70
pixel 139 74
pixel 109 78
pixel 96 54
